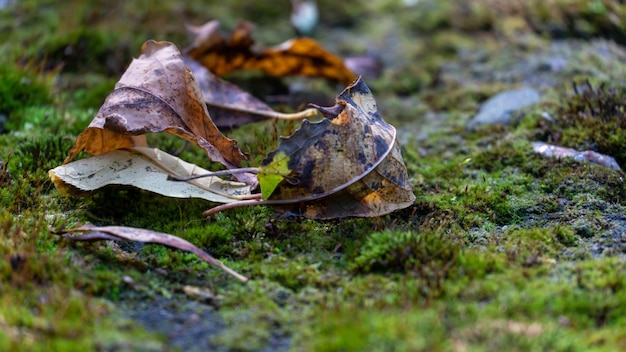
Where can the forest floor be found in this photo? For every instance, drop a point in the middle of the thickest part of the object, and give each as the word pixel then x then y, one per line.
pixel 504 248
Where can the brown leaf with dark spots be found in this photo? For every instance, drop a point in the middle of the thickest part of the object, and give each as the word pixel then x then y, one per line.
pixel 381 191
pixel 300 56
pixel 158 93
pixel 95 233
pixel 348 164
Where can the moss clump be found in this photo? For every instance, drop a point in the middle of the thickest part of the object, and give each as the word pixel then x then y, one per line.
pixel 41 153
pixel 390 251
pixel 536 245
pixel 593 119
pixel 19 89
pixel 438 262
pixel 85 50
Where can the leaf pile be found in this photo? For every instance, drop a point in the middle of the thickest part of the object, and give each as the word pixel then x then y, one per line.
pixel 347 164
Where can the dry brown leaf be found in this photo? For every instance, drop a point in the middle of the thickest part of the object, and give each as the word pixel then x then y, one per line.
pixel 157 93
pixel 94 233
pixel 348 164
pixel 230 106
pixel 300 56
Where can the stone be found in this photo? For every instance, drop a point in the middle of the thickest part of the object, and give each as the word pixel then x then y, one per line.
pixel 499 109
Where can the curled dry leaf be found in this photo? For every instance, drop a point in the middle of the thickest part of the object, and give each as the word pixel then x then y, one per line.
pixel 157 93
pixel 300 56
pixel 148 169
pixel 348 164
pixel 94 233
pixel 555 151
pixel 229 106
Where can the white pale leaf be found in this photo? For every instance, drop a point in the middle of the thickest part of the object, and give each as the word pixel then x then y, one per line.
pixel 148 169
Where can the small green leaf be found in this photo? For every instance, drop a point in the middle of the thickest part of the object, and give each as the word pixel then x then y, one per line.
pixel 273 173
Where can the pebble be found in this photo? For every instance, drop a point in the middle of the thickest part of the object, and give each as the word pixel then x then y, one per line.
pixel 499 109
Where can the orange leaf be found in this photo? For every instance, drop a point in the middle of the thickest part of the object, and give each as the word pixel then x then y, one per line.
pixel 301 56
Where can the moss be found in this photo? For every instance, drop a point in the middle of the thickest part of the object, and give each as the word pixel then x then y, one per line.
pixel 85 49
pixel 19 89
pixel 503 249
pixel 405 251
pixel 352 329
pixel 593 119
pixel 555 18
pixel 44 302
pixel 533 246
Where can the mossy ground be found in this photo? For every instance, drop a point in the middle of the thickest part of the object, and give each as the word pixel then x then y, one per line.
pixel 503 248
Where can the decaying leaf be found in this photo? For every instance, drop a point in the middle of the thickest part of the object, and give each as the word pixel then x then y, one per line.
pixel 94 233
pixel 556 151
pixel 158 93
pixel 148 169
pixel 300 56
pixel 229 106
pixel 348 164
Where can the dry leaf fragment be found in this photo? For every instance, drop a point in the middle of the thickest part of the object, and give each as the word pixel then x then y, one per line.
pixel 300 56
pixel 556 151
pixel 148 169
pixel 94 233
pixel 348 164
pixel 157 93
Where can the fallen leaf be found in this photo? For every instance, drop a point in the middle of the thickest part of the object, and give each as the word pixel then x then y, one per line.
pixel 556 151
pixel 148 169
pixel 273 173
pixel 94 233
pixel 158 93
pixel 348 164
pixel 229 106
pixel 300 56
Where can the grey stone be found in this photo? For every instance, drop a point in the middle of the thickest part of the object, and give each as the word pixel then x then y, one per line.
pixel 500 108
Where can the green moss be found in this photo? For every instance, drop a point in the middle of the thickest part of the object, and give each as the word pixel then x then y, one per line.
pixel 504 249
pixel 593 119
pixel 351 329
pixel 555 18
pixel 20 89
pixel 405 251
pixel 536 245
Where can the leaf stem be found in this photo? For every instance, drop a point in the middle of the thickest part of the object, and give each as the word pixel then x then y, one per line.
pixel 225 206
pixel 269 114
pixel 243 170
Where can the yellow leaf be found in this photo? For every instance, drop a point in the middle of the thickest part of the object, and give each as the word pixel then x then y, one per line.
pixel 272 174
